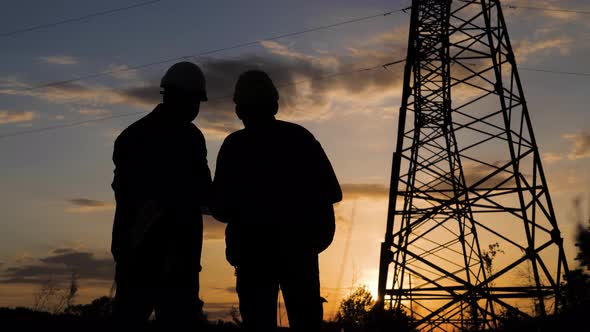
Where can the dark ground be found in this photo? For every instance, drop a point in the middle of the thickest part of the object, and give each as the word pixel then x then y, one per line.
pixel 24 319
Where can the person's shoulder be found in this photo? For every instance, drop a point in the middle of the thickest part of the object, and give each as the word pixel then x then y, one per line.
pixel 130 133
pixel 294 129
pixel 234 137
pixel 233 143
pixel 136 129
pixel 194 131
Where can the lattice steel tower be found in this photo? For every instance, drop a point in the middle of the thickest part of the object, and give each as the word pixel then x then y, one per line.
pixel 471 231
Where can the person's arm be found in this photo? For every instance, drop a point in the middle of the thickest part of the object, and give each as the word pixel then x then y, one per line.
pixel 119 173
pixel 203 174
pixel 327 177
pixel 132 178
pixel 220 202
pixel 137 208
pixel 121 219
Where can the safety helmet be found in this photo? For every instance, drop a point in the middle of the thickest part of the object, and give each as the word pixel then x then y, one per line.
pixel 255 87
pixel 187 77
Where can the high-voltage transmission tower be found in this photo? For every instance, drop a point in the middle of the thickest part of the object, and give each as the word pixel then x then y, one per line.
pixel 471 231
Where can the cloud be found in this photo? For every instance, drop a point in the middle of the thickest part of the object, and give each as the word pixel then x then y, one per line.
pixel 23 257
pixel 394 38
pixel 73 93
pixel 524 49
pixel 551 157
pixel 276 48
pixel 557 14
pixel 310 86
pixel 16 117
pixel 213 229
pixel 123 72
pixel 580 145
pixel 59 266
pixel 219 310
pixel 85 205
pixel 60 251
pixel 93 111
pixel 473 172
pixel 569 181
pixel 59 60
pixel 231 289
pixel 579 148
pixel 364 190
pixel 12 82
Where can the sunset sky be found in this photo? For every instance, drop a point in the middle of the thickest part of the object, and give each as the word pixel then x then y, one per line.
pixel 56 203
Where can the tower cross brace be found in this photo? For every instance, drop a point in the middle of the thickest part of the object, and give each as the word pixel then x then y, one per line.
pixel 471 231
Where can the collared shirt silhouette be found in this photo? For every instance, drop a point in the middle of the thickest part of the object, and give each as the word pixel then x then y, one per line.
pixel 275 188
pixel 161 179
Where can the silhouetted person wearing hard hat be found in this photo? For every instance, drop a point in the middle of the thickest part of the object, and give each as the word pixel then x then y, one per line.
pixel 161 179
pixel 275 188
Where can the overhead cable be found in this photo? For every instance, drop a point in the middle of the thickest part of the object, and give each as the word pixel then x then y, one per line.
pixel 76 19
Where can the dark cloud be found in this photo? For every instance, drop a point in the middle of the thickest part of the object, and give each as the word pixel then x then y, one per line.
pixel 147 94
pixel 87 202
pixel 219 310
pixel 231 290
pixel 305 91
pixel 476 172
pixel 216 306
pixel 85 205
pixel 59 267
pixel 64 87
pixel 472 172
pixel 60 251
pixel 308 85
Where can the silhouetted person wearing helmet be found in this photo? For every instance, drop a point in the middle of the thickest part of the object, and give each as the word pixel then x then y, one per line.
pixel 161 179
pixel 275 188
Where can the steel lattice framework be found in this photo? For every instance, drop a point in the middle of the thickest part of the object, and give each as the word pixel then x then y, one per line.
pixel 471 231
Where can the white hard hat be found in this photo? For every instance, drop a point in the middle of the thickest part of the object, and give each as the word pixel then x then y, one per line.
pixel 185 76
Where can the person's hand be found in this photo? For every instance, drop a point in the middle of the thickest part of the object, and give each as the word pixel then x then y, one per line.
pixel 205 210
pixel 147 213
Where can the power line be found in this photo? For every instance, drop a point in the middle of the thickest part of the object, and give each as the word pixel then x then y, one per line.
pixel 554 71
pixel 552 9
pixel 77 19
pixel 209 52
pixel 321 78
pixel 82 122
pixel 540 70
pixel 67 125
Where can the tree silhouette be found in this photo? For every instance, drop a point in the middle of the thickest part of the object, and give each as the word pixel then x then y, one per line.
pixel 583 244
pixel 355 309
pixel 358 311
pixel 235 316
pixel 98 308
pixel 53 297
pixel 577 289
